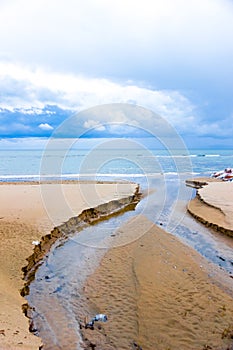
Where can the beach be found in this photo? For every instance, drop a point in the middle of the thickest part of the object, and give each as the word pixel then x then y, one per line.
pixel 24 218
pixel 157 292
pixel 160 294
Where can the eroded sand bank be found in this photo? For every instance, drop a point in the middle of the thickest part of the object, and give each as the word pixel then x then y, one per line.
pixel 213 205
pixel 160 294
pixel 157 293
pixel 27 212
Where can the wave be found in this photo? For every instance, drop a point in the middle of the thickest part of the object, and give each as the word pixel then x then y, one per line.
pixel 182 155
pixel 213 155
pixel 94 176
pixel 20 177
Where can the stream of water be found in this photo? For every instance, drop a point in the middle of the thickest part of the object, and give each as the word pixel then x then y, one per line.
pixel 57 295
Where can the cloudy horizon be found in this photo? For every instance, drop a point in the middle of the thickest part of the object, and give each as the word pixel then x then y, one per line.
pixel 172 57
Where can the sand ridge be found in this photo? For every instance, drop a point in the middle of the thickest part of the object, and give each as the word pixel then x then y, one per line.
pixel 213 205
pixel 25 218
pixel 157 292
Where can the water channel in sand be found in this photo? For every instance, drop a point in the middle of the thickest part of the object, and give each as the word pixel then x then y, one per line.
pixel 57 291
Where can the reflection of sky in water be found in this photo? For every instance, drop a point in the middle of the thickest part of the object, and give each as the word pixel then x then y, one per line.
pixel 57 290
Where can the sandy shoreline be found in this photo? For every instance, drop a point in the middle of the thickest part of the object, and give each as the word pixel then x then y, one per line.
pixel 25 217
pixel 157 293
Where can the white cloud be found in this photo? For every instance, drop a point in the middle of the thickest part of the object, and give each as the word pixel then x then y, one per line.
pixel 90 124
pixel 45 126
pixel 126 38
pixel 98 24
pixel 174 44
pixel 79 93
pixel 29 91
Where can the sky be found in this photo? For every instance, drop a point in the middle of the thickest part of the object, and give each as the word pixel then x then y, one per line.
pixel 173 57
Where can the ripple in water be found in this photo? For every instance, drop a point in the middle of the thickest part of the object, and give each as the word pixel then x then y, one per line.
pixel 57 295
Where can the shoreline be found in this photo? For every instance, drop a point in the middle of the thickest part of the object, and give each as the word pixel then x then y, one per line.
pixel 133 277
pixel 20 224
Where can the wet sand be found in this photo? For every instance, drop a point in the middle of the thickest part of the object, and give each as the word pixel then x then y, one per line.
pixel 27 212
pixel 160 294
pixel 157 292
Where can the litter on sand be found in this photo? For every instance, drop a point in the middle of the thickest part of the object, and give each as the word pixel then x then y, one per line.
pixel 97 318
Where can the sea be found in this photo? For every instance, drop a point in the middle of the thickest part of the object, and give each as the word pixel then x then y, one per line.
pixel 56 294
pixel 102 163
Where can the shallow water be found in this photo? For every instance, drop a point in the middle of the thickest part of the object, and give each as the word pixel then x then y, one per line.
pixel 57 292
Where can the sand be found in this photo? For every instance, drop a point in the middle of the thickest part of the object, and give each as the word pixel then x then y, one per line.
pixel 160 294
pixel 27 212
pixel 213 205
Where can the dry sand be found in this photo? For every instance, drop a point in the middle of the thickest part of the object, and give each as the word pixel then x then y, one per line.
pixel 27 212
pixel 213 205
pixel 159 294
